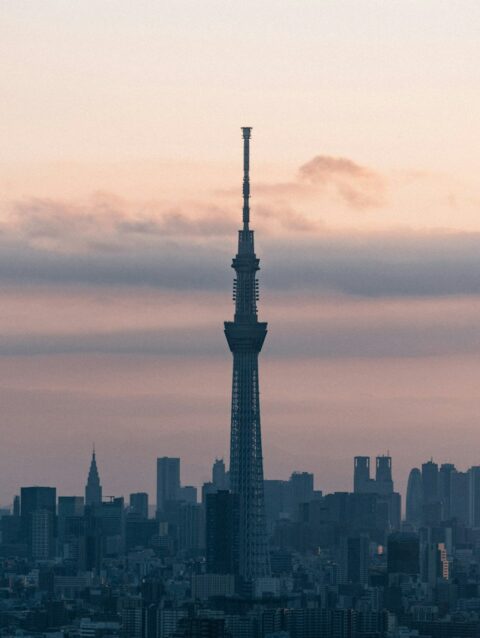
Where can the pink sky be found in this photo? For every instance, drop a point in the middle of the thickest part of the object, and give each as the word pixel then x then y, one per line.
pixel 119 203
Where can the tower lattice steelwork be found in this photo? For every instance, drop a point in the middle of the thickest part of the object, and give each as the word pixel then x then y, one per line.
pixel 245 336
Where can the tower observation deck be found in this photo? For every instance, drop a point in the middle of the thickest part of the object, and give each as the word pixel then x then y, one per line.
pixel 245 336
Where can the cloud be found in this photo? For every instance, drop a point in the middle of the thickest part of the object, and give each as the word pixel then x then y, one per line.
pixel 358 186
pixel 106 220
pixel 299 328
pixel 176 252
pixel 287 218
pixel 353 185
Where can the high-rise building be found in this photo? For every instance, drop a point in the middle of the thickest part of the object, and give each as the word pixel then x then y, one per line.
pixel 207 488
pixel 459 496
pixel 93 488
pixel 354 560
pixel 434 563
pixel 222 533
pixel 111 516
pixel 361 473
pixel 139 504
pixel 383 475
pixel 219 475
pixel 403 553
pixel 414 497
pixel 168 481
pixel 68 507
pixel 474 496
pixel 42 528
pixel 301 490
pixel 277 501
pixel 191 527
pixel 245 336
pixel 33 499
pixel 430 482
pixel 16 506
pixel 444 488
pixel 131 614
pixel 188 494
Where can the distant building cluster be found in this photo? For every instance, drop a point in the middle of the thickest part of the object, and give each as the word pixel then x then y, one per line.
pixel 342 564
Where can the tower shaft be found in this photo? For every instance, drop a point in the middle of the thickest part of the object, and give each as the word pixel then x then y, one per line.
pixel 245 336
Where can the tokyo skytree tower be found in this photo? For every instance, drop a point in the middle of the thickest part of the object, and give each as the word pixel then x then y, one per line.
pixel 245 336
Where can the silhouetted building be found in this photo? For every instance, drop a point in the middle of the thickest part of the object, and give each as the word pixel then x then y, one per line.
pixel 93 488
pixel 222 532
pixel 188 494
pixel 277 501
pixel 219 475
pixel 16 505
pixel 383 475
pixel 140 531
pixel 139 504
pixel 444 488
pixel 191 527
pixel 362 483
pixel 403 553
pixel 168 481
pixel 474 496
pixel 111 515
pixel 34 499
pixel 430 482
pixel 301 490
pixel 354 560
pixel 460 497
pixel 414 498
pixel 42 534
pixel 207 488
pixel 68 507
pixel 434 563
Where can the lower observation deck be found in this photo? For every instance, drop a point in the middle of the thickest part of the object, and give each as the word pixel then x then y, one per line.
pixel 245 337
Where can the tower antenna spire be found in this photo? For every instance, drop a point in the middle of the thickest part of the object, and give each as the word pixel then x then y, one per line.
pixel 246 130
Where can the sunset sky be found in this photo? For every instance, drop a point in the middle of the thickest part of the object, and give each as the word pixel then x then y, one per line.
pixel 120 198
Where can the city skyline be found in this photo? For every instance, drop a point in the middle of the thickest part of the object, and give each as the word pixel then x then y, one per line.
pixel 118 208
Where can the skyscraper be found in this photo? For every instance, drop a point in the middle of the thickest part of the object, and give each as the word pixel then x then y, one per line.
pixel 93 489
pixel 139 504
pixel 383 475
pixel 444 488
pixel 168 481
pixel 460 496
pixel 354 559
pixel 301 491
pixel 245 336
pixel 430 482
pixel 222 532
pixel 474 496
pixel 36 499
pixel 43 526
pixel 361 474
pixel 414 497
pixel 68 507
pixel 219 475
